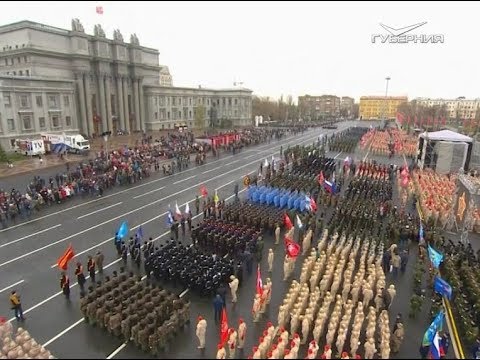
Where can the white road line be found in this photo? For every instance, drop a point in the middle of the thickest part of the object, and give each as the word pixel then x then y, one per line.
pixel 120 348
pixel 97 211
pixel 338 155
pixel 183 293
pixel 180 181
pixel 27 236
pixel 149 192
pixel 205 172
pixel 63 332
pixel 233 162
pixel 366 155
pixel 141 185
pixel 9 287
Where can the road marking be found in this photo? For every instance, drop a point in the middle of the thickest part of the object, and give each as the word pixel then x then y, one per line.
pixel 9 287
pixel 233 162
pixel 97 211
pixel 120 348
pixel 27 236
pixel 210 170
pixel 144 184
pixel 183 293
pixel 63 332
pixel 180 181
pixel 338 155
pixel 366 155
pixel 149 192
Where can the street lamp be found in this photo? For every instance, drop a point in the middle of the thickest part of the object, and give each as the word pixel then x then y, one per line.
pixel 387 79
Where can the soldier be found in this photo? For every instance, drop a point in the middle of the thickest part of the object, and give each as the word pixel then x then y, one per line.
pixel 397 338
pixel 256 353
pixel 99 258
pixel 80 277
pixel 256 308
pixel 232 342
pixel 200 332
pixel 91 268
pixel 242 332
pixel 221 353
pixel 277 234
pixel 305 329
pixel 370 348
pixel 270 260
pixel 233 288
pixel 391 294
pixel 327 352
pixel 65 285
pixel 115 323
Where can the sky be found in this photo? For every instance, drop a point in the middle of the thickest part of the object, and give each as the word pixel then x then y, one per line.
pixel 290 48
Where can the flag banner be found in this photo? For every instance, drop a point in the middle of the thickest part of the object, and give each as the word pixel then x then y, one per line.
pixel 259 282
pixel 216 199
pixel 170 220
pixel 187 209
pixel 139 235
pixel 224 327
pixel 298 222
pixel 99 10
pixel 178 213
pixel 330 187
pixel 203 191
pixel 435 326
pixel 288 222
pixel 442 287
pixel 435 257
pixel 321 178
pixel 62 262
pixel 421 232
pixel 122 230
pixel 292 248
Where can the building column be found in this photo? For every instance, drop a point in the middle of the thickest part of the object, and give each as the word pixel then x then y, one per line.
pixel 136 105
pixel 101 92
pixel 125 104
pixel 120 107
pixel 81 98
pixel 108 95
pixel 142 106
pixel 88 101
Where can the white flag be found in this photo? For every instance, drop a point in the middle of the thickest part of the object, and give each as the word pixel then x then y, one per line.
pixel 299 222
pixel 177 210
pixel 187 209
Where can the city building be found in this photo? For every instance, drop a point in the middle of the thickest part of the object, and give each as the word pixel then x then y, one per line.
pixel 379 107
pixel 315 107
pixel 459 108
pixel 346 106
pixel 56 80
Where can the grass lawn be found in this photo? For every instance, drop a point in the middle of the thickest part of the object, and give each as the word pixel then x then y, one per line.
pixel 13 157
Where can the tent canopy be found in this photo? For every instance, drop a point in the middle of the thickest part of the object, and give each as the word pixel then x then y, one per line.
pixel 446 135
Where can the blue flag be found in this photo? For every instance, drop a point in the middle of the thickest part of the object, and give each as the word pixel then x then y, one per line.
pixel 122 230
pixel 442 287
pixel 435 257
pixel 169 218
pixel 435 326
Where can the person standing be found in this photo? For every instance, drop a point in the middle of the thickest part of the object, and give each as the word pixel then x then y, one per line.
pixel 91 268
pixel 197 204
pixel 235 191
pixel 99 258
pixel 270 260
pixel 201 331
pixel 65 285
pixel 233 288
pixel 16 305
pixel 80 277
pixel 217 307
pixel 242 332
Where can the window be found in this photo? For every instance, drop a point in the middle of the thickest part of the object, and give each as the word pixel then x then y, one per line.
pixel 66 100
pixel 52 101
pixel 229 102
pixel 18 60
pixel 68 121
pixel 236 101
pixel 156 101
pixel 235 113
pixel 168 115
pixel 6 99
pixel 208 102
pixel 189 114
pixel 25 59
pixel 14 73
pixel 6 62
pixel 179 115
pixel 27 122
pixel 27 72
pixel 11 61
pixel 156 115
pixel 168 100
pixel 11 124
pixel 20 73
pixel 190 101
pixel 223 101
pixel 41 122
pixel 162 101
pixel 173 101
pixel 184 101
pixel 55 121
pixel 24 101
pixel 39 100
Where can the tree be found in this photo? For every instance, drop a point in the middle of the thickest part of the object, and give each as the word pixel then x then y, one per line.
pixel 3 155
pixel 200 117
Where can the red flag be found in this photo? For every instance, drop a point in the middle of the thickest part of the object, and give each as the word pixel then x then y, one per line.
pixel 288 222
pixel 203 191
pixel 321 178
pixel 224 327
pixel 259 282
pixel 292 248
pixel 62 262
pixel 99 10
pixel 313 205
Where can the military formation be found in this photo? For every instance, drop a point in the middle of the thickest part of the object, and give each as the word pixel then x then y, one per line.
pixel 225 238
pixel 19 345
pixel 190 267
pixel 133 310
pixel 263 217
pixel 347 140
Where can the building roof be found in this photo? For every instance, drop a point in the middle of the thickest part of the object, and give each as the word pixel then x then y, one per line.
pixel 383 97
pixel 236 89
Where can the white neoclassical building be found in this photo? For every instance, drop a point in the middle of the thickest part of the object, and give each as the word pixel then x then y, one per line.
pixel 56 80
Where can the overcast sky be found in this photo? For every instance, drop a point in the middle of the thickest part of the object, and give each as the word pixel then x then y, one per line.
pixel 290 48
